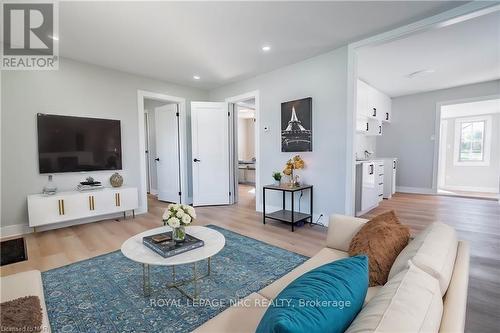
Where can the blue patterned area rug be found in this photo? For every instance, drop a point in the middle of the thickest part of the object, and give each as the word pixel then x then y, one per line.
pixel 104 294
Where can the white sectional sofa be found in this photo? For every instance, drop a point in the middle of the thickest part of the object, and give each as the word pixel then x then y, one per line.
pixel 25 284
pixel 426 291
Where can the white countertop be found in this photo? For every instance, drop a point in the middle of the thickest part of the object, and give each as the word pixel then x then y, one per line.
pixel 375 159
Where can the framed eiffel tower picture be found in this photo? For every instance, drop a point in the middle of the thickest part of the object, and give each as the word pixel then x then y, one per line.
pixel 296 125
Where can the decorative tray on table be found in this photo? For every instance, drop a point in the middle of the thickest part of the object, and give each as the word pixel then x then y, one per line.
pixel 164 245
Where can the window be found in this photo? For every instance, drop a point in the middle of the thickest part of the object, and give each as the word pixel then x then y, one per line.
pixel 472 141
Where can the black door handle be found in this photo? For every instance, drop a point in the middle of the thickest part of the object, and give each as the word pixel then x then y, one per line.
pixel 157 159
pixel 374 112
pixel 196 160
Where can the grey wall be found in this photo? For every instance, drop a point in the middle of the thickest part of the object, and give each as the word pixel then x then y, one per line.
pixel 75 89
pixel 409 137
pixel 473 176
pixel 324 79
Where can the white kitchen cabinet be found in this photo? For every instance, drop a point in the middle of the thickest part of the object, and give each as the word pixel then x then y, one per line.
pixel 386 108
pixel 390 171
pixel 372 105
pixel 74 205
pixel 380 180
pixel 368 126
pixel 362 99
pixel 369 185
pixel 368 188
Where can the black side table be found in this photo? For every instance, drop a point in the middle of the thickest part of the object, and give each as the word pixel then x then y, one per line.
pixel 288 216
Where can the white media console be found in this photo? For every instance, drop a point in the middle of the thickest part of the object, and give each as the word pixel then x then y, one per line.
pixel 74 205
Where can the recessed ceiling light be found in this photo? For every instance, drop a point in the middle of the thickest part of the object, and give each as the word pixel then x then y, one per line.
pixel 420 73
pixel 54 37
pixel 266 48
pixel 196 77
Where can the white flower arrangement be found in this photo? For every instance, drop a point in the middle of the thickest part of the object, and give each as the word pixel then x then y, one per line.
pixel 178 215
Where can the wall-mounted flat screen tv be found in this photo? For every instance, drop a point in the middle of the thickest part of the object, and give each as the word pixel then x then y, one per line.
pixel 72 144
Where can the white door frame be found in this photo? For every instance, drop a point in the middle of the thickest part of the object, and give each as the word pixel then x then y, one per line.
pixel 147 147
pixel 141 95
pixel 456 15
pixel 234 171
pixel 437 133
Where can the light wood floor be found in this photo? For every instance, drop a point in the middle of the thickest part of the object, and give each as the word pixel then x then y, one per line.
pixel 475 220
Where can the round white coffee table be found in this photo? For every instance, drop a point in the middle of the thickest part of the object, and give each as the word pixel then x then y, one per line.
pixel 213 240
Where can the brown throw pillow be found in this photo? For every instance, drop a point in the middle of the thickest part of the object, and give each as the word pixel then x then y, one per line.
pixel 381 239
pixel 22 314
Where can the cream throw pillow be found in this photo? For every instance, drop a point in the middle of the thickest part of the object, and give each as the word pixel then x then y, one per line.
pixel 410 302
pixel 433 250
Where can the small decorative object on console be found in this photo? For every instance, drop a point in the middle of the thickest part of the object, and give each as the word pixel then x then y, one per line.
pixel 89 184
pixel 295 163
pixel 178 216
pixel 116 180
pixel 90 181
pixel 277 178
pixel 50 188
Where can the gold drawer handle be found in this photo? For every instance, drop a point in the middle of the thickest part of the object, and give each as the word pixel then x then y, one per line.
pixel 61 206
pixel 91 202
pixel 117 199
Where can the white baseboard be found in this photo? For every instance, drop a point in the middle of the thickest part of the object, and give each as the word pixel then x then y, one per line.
pixel 470 189
pixel 15 230
pixel 415 190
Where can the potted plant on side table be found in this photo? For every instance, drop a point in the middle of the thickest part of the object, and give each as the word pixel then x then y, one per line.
pixel 277 178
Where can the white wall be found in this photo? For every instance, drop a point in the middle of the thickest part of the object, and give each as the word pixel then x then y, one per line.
pixel 75 89
pixel 365 142
pixel 473 178
pixel 324 79
pixel 410 136
pixel 246 139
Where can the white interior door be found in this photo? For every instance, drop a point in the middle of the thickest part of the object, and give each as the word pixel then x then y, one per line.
pixel 167 153
pixel 210 153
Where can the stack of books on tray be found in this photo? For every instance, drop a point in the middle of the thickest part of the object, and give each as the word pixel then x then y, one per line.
pixel 164 245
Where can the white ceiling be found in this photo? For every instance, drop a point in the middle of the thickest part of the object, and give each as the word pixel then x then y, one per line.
pixel 463 53
pixel 221 42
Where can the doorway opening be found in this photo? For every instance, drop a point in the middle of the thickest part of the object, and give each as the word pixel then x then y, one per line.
pixel 402 62
pixel 245 111
pixel 162 145
pixel 244 149
pixel 469 148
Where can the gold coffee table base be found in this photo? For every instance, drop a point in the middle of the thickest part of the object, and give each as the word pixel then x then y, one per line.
pixel 178 284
